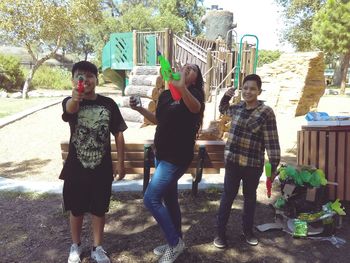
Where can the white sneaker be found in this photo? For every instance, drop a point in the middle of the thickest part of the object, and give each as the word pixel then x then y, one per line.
pixel 160 250
pixel 74 254
pixel 99 255
pixel 171 253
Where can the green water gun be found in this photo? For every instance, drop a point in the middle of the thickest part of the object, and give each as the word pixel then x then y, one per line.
pixel 268 178
pixel 168 75
pixel 166 71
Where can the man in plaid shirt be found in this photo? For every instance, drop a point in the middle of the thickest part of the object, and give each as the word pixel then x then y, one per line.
pixel 253 129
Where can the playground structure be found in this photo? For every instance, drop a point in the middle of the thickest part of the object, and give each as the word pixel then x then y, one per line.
pixel 221 67
pixel 131 61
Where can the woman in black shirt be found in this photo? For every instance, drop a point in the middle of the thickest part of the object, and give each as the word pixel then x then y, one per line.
pixel 177 125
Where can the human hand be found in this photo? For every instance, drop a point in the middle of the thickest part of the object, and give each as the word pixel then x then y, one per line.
pixel 120 172
pixel 230 92
pixel 76 95
pixel 180 83
pixel 135 103
pixel 274 175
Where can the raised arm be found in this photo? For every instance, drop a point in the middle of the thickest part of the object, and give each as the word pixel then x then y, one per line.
pixel 72 105
pixel 225 101
pixel 190 101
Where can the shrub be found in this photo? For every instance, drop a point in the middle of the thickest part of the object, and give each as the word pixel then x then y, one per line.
pixel 51 78
pixel 11 74
pixel 268 56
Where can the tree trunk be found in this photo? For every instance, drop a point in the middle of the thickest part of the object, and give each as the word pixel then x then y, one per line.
pixel 28 81
pixel 344 71
pixel 337 73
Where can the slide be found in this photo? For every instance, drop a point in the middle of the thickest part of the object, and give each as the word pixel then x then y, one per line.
pixel 117 77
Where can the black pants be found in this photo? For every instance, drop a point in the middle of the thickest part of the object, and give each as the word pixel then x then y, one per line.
pixel 233 176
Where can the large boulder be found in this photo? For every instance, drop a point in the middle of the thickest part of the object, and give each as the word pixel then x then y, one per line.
pixel 294 83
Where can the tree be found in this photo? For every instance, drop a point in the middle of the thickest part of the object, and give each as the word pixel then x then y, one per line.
pixel 176 15
pixel 298 15
pixel 43 26
pixel 268 56
pixel 99 34
pixel 331 32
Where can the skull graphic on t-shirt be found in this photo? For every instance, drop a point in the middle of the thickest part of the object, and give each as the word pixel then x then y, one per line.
pixel 91 135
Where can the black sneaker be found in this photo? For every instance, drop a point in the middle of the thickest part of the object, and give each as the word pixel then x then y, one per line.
pixel 250 238
pixel 220 242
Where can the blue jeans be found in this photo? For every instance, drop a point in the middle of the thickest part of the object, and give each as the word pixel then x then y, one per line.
pixel 161 199
pixel 233 176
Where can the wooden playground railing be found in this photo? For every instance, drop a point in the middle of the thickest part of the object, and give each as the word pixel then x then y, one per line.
pixel 212 57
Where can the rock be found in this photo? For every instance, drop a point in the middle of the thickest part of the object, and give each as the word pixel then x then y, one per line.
pixel 16 95
pixel 294 83
pixel 3 94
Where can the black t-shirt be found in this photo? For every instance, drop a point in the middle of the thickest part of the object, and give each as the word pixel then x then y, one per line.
pixel 90 143
pixel 177 128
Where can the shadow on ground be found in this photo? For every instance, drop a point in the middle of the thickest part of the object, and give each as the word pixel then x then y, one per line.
pixel 34 229
pixel 23 169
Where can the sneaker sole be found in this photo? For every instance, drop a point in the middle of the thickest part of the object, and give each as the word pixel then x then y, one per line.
pixel 251 244
pixel 219 246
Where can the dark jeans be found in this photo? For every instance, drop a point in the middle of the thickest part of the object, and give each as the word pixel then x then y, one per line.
pixel 233 176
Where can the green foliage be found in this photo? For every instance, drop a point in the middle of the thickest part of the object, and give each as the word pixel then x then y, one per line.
pixel 99 35
pixel 298 15
pixel 331 33
pixel 178 16
pixel 45 25
pixel 331 28
pixel 52 78
pixel 268 56
pixel 11 75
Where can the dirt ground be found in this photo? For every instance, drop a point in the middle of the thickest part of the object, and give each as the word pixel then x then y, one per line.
pixel 34 229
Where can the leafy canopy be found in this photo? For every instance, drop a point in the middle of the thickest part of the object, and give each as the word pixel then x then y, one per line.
pixel 331 27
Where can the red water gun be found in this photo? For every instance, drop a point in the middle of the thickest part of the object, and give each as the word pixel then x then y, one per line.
pixel 81 84
pixel 169 75
pixel 268 178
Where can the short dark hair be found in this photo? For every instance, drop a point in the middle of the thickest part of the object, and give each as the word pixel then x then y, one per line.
pixel 86 66
pixel 253 77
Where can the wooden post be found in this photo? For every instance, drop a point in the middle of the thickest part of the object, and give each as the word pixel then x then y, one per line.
pixel 209 74
pixel 243 72
pixel 166 51
pixel 134 48
pixel 166 44
pixel 229 68
pixel 252 60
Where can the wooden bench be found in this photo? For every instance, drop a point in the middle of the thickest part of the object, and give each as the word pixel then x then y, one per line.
pixel 139 159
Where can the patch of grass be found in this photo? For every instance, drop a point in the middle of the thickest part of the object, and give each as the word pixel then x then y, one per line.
pixel 9 106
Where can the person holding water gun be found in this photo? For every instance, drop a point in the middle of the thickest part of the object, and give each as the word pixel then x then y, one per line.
pixel 253 130
pixel 178 122
pixel 88 170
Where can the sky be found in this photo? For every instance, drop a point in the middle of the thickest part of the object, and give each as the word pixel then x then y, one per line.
pixel 258 17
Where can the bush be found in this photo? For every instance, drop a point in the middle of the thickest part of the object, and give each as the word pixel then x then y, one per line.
pixel 268 56
pixel 11 74
pixel 52 78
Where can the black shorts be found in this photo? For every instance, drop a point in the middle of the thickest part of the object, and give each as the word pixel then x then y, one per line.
pixel 87 193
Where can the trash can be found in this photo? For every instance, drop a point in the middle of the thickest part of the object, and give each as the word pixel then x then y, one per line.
pixel 327 148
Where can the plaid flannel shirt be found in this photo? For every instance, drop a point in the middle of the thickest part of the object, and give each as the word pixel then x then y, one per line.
pixel 252 131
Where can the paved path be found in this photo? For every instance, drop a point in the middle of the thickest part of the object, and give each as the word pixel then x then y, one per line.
pixel 37 138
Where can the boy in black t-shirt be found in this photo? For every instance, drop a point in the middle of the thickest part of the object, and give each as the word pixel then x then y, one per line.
pixel 88 171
